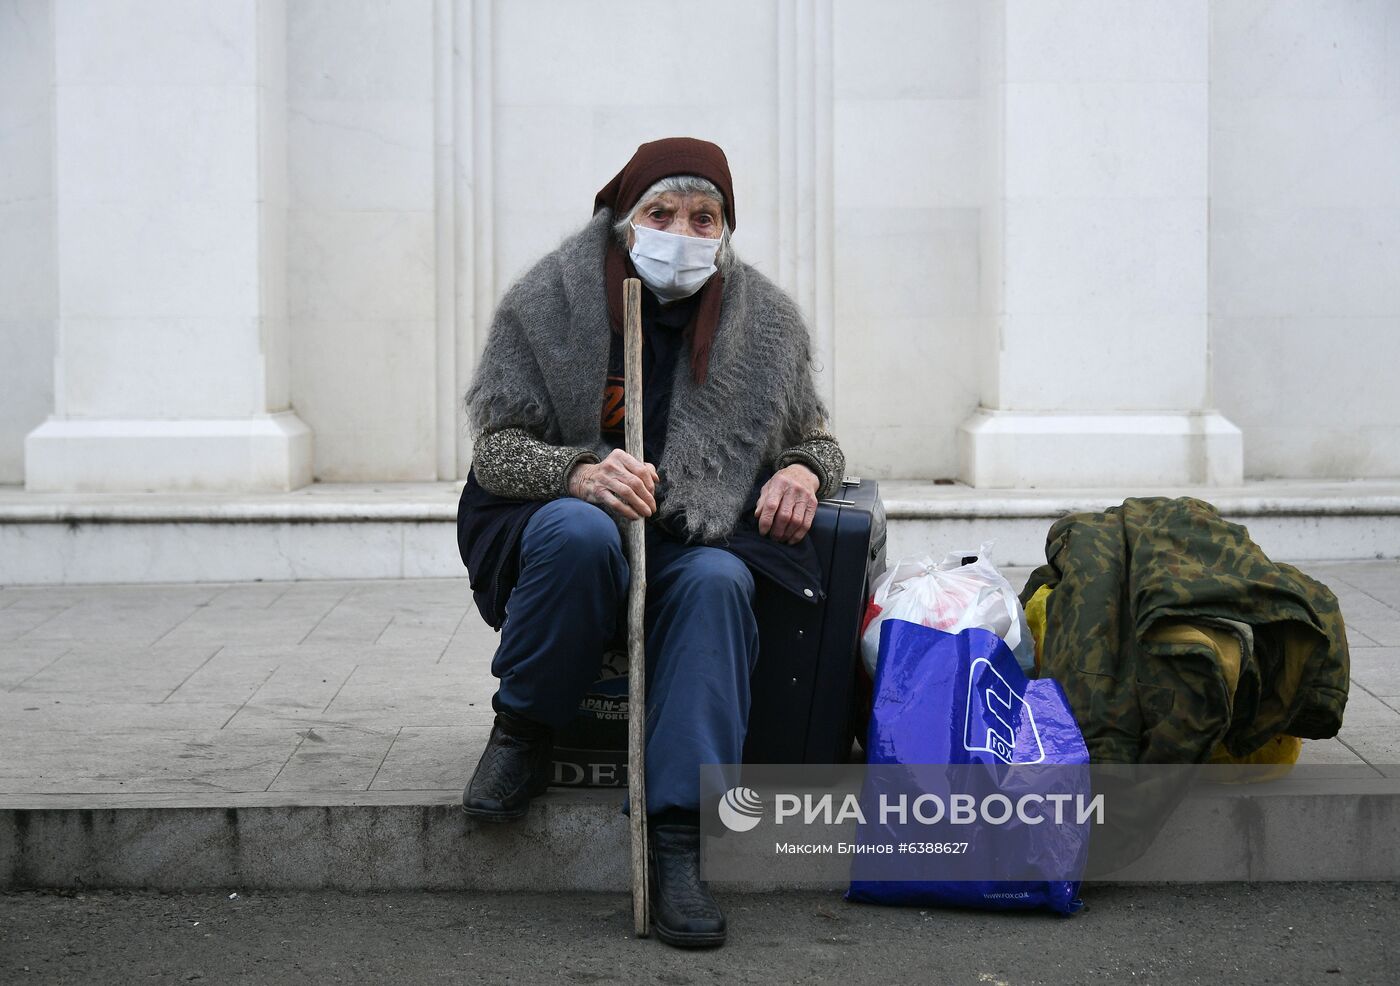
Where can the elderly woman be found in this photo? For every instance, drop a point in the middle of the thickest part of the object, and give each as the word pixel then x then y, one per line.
pixel 737 456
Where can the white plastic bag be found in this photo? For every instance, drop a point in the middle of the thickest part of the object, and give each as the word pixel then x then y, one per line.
pixel 948 595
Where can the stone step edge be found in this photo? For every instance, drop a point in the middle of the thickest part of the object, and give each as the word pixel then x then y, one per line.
pixel 1311 780
pixel 964 504
pixel 1326 830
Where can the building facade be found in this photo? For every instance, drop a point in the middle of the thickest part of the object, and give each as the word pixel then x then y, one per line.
pixel 249 244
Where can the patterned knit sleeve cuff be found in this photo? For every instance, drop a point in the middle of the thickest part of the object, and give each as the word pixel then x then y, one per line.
pixel 823 456
pixel 514 464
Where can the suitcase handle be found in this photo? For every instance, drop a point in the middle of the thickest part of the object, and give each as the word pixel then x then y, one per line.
pixel 877 542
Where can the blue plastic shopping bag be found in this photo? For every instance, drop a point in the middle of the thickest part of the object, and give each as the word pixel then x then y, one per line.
pixel 959 713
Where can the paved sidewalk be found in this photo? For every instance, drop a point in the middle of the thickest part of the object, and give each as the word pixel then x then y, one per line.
pixel 293 688
pixel 319 692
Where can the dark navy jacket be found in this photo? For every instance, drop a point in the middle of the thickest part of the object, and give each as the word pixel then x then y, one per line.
pixel 489 529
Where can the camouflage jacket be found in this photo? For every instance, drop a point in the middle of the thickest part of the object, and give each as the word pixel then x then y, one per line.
pixel 1119 574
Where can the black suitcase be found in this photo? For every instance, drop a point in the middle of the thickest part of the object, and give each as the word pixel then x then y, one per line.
pixel 803 686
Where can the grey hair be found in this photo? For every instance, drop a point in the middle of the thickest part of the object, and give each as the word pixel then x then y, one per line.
pixel 684 185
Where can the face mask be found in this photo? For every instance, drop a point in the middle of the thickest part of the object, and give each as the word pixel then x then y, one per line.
pixel 673 266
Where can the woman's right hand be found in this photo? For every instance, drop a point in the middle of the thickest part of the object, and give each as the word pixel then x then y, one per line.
pixel 621 484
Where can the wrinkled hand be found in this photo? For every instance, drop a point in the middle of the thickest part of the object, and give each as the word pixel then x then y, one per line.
pixel 787 505
pixel 621 484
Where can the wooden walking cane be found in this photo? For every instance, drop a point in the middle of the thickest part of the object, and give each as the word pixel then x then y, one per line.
pixel 636 614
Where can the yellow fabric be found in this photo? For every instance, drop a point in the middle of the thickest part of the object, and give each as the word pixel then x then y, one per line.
pixel 1035 619
pixel 1276 757
pixel 1224 642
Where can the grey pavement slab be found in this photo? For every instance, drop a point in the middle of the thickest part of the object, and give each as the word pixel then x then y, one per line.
pixel 20 662
pixel 434 695
pixel 334 758
pixel 1383 633
pixel 1371 729
pixel 433 758
pixel 312 687
pixel 1377 669
pixel 148 760
pixel 97 676
pixel 30 721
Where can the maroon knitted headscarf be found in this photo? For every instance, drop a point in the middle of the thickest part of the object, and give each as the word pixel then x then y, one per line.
pixel 652 162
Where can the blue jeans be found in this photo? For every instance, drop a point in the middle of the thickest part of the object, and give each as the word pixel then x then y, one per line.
pixel 701 641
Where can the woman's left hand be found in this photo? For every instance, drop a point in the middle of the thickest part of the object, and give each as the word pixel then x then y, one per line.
pixel 787 504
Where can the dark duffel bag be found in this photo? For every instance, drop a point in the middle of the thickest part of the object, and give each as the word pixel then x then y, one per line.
pixel 591 751
pixel 803 687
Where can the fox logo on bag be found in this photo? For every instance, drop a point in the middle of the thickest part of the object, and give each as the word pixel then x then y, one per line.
pixel 997 717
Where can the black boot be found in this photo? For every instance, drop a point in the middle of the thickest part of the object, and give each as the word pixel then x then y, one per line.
pixel 513 768
pixel 684 913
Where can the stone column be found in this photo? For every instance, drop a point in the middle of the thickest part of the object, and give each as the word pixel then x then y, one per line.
pixel 1096 369
pixel 170 146
pixel 28 277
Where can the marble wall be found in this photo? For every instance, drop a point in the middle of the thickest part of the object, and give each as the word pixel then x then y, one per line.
pixel 1304 250
pixel 158 222
pixel 823 108
pixel 360 232
pixel 912 185
pixel 169 197
pixel 907 184
pixel 1094 363
pixel 28 271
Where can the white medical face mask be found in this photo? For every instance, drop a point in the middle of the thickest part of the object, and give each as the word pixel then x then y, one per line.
pixel 673 266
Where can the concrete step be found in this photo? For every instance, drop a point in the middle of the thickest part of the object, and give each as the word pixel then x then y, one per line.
pixel 1319 825
pixel 419 841
pixel 407 530
pixel 317 733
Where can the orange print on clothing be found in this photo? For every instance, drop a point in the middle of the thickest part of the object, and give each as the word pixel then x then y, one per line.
pixel 614 404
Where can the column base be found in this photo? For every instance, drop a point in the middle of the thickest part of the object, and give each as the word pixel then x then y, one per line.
pixel 1029 449
pixel 242 455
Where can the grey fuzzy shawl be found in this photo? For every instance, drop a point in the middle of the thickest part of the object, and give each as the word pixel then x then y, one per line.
pixel 546 362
